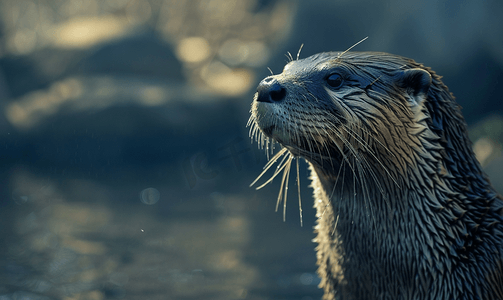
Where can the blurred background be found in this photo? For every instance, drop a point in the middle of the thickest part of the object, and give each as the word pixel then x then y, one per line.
pixel 125 157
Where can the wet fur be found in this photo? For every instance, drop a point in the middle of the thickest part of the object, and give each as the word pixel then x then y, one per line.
pixel 404 208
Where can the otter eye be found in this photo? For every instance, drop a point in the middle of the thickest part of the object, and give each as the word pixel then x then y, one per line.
pixel 335 80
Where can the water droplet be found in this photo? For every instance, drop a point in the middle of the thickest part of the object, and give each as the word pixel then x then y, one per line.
pixel 149 196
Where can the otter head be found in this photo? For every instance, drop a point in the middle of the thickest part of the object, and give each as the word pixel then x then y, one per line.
pixel 332 108
pixel 400 197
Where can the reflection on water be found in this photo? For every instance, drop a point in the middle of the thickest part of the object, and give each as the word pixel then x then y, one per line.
pixel 36 106
pixel 89 94
pixel 79 250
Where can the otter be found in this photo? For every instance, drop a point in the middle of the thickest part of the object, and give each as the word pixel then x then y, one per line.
pixel 404 209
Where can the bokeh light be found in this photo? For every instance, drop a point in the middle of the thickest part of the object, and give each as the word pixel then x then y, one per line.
pixel 150 196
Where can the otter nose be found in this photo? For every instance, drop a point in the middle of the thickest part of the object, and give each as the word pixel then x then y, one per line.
pixel 269 90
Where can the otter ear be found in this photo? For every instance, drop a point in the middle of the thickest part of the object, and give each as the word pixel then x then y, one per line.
pixel 416 82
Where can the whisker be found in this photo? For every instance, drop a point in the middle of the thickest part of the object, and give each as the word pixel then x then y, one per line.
pixel 336 180
pixel 298 191
pixel 339 56
pixel 335 225
pixel 300 49
pixel 268 165
pixel 372 83
pixel 289 56
pixel 284 188
pixel 279 168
